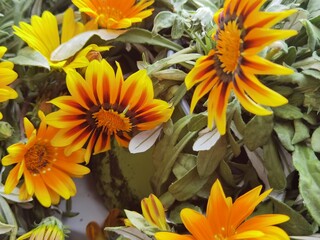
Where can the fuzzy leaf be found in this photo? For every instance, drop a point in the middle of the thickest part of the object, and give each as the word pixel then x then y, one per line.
pixel 137 220
pixel 29 57
pixel 129 233
pixel 272 162
pixel 313 34
pixel 301 132
pixel 308 166
pixel 144 140
pixel 209 160
pixel 253 138
pixel 163 20
pixel 315 140
pixel 288 111
pixel 285 133
pixel 297 225
pixel 4 228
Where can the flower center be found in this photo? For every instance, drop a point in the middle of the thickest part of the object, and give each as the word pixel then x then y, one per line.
pixel 112 121
pixel 228 46
pixel 37 158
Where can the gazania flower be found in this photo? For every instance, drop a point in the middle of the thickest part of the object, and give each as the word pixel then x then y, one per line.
pixel 115 14
pixel 46 169
pixel 49 228
pixel 102 106
pixel 7 76
pixel 242 32
pixel 225 220
pixel 43 36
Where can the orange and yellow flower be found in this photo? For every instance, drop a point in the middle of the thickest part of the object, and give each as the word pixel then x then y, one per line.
pixel 102 106
pixel 46 169
pixel 242 32
pixel 225 220
pixel 43 36
pixel 112 14
pixel 7 76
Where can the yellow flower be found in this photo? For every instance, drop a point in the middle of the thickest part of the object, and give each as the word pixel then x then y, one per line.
pixel 46 169
pixel 225 220
pixel 43 36
pixel 153 212
pixel 117 14
pixel 104 105
pixel 49 228
pixel 7 76
pixel 243 31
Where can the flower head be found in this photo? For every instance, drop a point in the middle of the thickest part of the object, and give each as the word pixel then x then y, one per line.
pixel 49 228
pixel 242 32
pixel 102 106
pixel 225 220
pixel 115 14
pixel 46 169
pixel 43 36
pixel 7 76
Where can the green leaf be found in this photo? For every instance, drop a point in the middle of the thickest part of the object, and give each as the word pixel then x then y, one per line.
pixel 308 166
pixel 313 34
pixel 184 163
pixel 29 57
pixel 4 228
pixel 313 8
pixel 177 28
pixel 209 160
pixel 285 132
pixel 197 122
pixel 315 140
pixel 170 74
pixel 129 233
pixel 138 35
pixel 137 220
pixel 297 225
pixel 187 186
pixel 301 132
pixel 288 111
pixel 164 19
pixel 175 212
pixel 253 138
pixel 272 162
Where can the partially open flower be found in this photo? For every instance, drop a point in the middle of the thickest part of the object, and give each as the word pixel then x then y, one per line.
pixel 49 228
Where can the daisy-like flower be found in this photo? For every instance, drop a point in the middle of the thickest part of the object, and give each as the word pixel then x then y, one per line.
pixel 225 220
pixel 49 228
pixel 43 36
pixel 46 169
pixel 7 76
pixel 242 32
pixel 104 105
pixel 112 14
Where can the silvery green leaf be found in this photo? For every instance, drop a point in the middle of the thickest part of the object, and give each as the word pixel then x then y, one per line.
pixel 162 20
pixel 29 57
pixel 285 132
pixel 301 132
pixel 4 228
pixel 144 140
pixel 137 220
pixel 129 233
pixel 308 166
pixel 71 47
pixel 315 140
